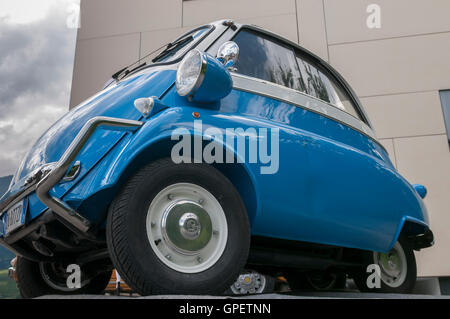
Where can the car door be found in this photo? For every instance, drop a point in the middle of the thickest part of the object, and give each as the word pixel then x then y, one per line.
pixel 265 71
pixel 352 193
pixel 329 161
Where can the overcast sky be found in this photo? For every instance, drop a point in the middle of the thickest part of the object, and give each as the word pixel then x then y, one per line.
pixel 37 49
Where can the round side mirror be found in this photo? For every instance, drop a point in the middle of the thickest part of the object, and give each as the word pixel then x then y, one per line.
pixel 228 53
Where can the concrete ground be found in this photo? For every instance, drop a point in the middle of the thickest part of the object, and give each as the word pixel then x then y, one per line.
pixel 306 295
pixel 426 288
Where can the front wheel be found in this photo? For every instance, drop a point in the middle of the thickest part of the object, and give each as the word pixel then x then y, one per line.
pixel 35 279
pixel 178 229
pixel 396 270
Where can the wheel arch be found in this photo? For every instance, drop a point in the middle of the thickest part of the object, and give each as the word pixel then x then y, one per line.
pixel 157 148
pixel 238 173
pixel 416 231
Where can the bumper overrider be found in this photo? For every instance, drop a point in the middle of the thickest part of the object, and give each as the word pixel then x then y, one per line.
pixel 45 178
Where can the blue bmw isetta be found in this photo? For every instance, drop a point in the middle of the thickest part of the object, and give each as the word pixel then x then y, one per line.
pixel 229 149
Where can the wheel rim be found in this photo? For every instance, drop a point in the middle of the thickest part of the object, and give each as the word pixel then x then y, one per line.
pixel 187 228
pixel 249 283
pixel 393 266
pixel 55 276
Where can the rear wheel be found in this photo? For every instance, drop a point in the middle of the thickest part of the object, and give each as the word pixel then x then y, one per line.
pixel 37 279
pixel 178 228
pixel 397 270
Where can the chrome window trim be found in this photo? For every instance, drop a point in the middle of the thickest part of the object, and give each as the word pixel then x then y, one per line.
pixel 192 45
pixel 325 64
pixel 302 100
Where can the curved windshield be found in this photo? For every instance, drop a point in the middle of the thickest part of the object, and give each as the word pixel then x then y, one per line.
pixel 166 53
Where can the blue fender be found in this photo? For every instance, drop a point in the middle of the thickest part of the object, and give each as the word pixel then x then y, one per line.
pixel 151 142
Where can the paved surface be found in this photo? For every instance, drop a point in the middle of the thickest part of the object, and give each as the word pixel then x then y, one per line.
pixel 424 290
pixel 305 295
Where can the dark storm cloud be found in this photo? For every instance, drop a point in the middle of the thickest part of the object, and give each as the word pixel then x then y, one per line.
pixel 36 62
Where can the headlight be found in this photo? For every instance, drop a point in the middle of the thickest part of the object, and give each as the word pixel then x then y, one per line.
pixel 190 74
pixel 202 78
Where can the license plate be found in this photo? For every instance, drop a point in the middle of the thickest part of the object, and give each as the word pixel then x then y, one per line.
pixel 15 217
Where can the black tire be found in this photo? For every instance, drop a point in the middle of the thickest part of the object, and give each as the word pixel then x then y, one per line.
pixel 316 280
pixel 31 283
pixel 361 276
pixel 270 285
pixel 128 241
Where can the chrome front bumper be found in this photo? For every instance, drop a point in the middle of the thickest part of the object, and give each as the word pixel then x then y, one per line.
pixel 45 178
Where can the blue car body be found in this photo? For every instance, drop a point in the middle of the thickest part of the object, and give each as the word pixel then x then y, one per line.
pixel 335 183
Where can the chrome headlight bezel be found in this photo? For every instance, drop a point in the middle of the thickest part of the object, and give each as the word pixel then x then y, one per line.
pixel 188 84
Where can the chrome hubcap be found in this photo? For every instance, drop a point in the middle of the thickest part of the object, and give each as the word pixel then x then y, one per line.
pixel 190 226
pixel 187 228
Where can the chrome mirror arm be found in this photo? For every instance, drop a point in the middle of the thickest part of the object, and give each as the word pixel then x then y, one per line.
pixel 228 53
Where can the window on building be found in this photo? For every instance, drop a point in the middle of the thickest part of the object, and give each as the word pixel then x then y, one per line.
pixel 445 101
pixel 265 58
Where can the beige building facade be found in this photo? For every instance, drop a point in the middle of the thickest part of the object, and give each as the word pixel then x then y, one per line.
pixel 395 55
